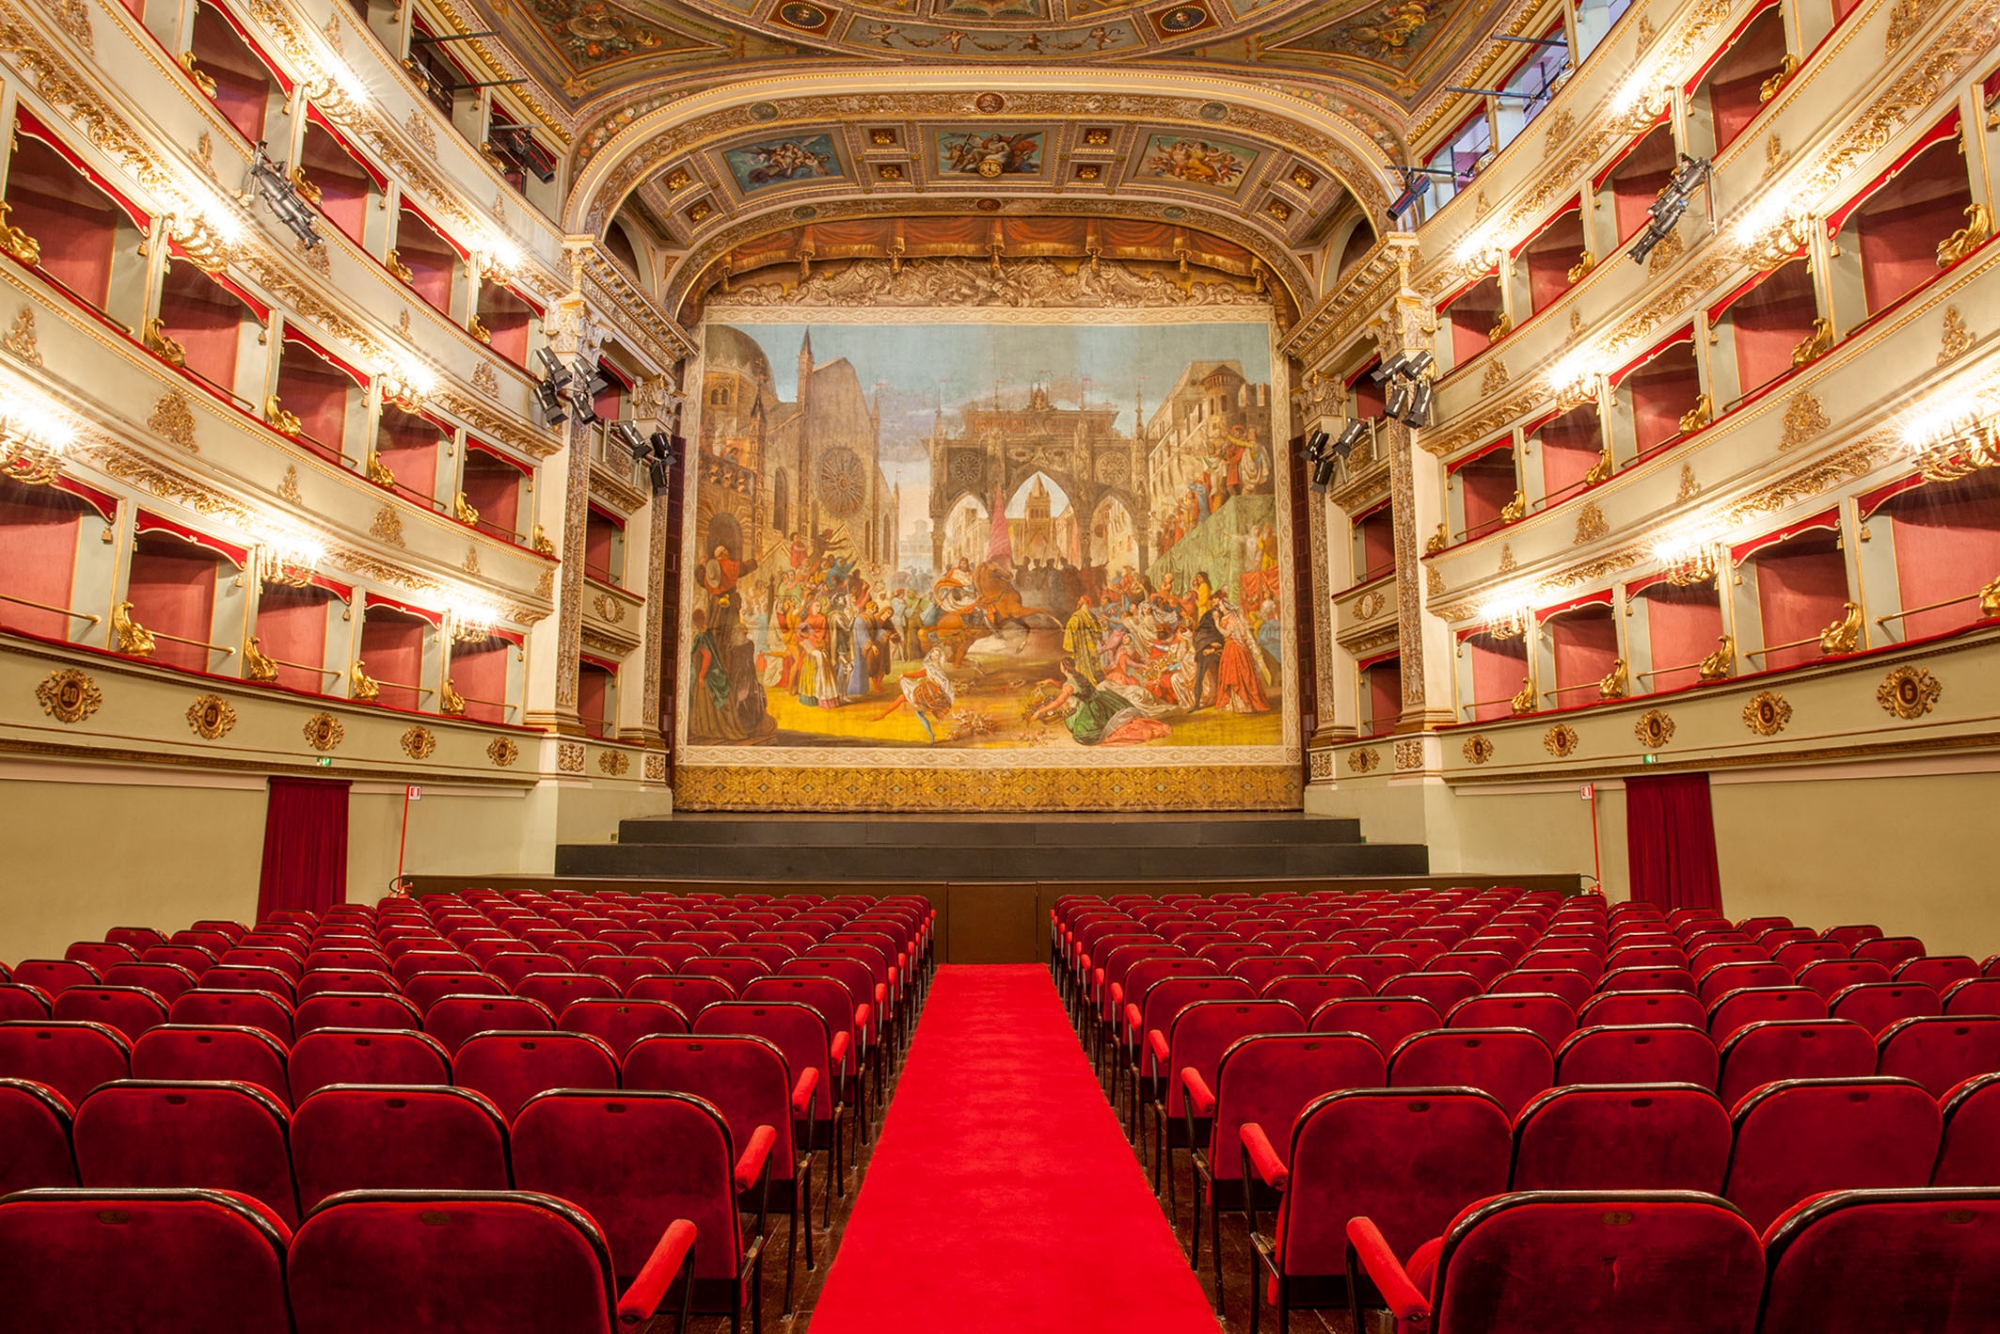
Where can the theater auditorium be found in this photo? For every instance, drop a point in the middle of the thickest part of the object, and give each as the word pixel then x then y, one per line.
pixel 975 666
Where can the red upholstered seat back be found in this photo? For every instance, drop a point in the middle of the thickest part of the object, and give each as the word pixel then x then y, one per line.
pixel 512 1261
pixel 426 989
pixel 454 1019
pixel 1572 986
pixel 397 1137
pixel 636 1161
pixel 184 1133
pixel 556 990
pixel 1409 1159
pixel 1442 990
pixel 1970 1152
pixel 689 995
pixel 1638 1054
pixel 794 1029
pixel 1383 1020
pixel 1916 1260
pixel 176 1262
pixel 1511 1064
pixel 1830 977
pixel 341 1009
pixel 512 1067
pixel 213 1051
pixel 1204 1030
pixel 1798 1137
pixel 168 981
pixel 71 1058
pixel 1750 1005
pixel 1761 1053
pixel 1640 1263
pixel 745 1078
pixel 365 1056
pixel 620 1022
pixel 1622 1137
pixel 130 1010
pixel 1268 1078
pixel 1548 1016
pixel 54 976
pixel 34 1127
pixel 1308 993
pixel 1939 1052
pixel 1876 1005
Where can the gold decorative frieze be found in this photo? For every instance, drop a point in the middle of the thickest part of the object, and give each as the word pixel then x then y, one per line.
pixel 1560 741
pixel 502 751
pixel 387 527
pixel 569 757
pixel 1495 378
pixel 1273 787
pixel 1767 713
pixel 613 762
pixel 1364 760
pixel 21 339
pixel 173 421
pixel 656 767
pixel 1909 692
pixel 1477 749
pixel 323 732
pixel 1957 338
pixel 419 743
pixel 1590 524
pixel 1689 487
pixel 1804 419
pixel 69 696
pixel 1654 729
pixel 288 485
pixel 211 717
pixel 485 381
pixel 1409 754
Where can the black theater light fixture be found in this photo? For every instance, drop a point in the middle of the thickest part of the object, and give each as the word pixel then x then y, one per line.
pixel 1666 211
pixel 268 179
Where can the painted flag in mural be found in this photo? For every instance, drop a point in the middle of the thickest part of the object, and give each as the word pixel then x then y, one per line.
pixel 1000 542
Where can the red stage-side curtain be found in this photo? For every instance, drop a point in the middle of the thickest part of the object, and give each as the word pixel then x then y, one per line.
pixel 1670 841
pixel 305 847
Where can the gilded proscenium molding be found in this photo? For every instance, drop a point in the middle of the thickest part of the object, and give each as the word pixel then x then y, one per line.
pixel 656 406
pixel 572 333
pixel 708 788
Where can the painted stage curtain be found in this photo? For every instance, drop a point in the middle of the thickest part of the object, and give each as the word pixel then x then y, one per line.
pixel 305 846
pixel 1670 841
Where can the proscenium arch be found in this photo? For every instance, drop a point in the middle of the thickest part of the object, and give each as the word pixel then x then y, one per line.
pixel 1259 111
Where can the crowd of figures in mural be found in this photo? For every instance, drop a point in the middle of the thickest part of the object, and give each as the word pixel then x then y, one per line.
pixel 985 536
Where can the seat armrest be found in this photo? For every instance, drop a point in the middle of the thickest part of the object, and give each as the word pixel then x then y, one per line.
pixel 1367 1244
pixel 862 1014
pixel 673 1253
pixel 802 1092
pixel 1158 1042
pixel 751 1165
pixel 1263 1157
pixel 881 994
pixel 1133 1019
pixel 1117 996
pixel 1198 1094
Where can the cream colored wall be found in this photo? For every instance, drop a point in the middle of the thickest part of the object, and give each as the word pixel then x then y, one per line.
pixel 92 847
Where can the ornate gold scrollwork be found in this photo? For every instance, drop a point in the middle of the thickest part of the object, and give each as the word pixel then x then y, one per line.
pixel 378 471
pixel 463 510
pixel 1814 345
pixel 162 344
pixel 1500 330
pixel 211 717
pixel 1601 470
pixel 478 330
pixel 1767 714
pixel 1989 600
pixel 539 540
pixel 502 751
pixel 450 702
pixel 279 420
pixel 307 190
pixel 1698 416
pixel 1524 702
pixel 69 696
pixel 133 638
pixel 1769 88
pixel 393 261
pixel 1516 509
pixel 1615 681
pixel 17 242
pixel 360 685
pixel 1654 729
pixel 1561 741
pixel 1477 750
pixel 257 667
pixel 419 743
pixel 1909 692
pixel 1363 760
pixel 323 731
pixel 1978 226
pixel 1844 635
pixel 201 80
pixel 1584 264
pixel 1437 541
pixel 1721 664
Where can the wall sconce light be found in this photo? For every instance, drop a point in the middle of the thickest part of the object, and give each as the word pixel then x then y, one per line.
pixel 35 440
pixel 1955 440
pixel 1508 613
pixel 1690 555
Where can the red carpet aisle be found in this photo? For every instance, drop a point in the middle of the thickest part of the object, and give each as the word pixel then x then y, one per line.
pixel 1002 1196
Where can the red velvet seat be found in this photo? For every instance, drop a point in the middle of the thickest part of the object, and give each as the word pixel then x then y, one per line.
pixel 365 1056
pixel 1974 995
pixel 1375 969
pixel 621 970
pixel 71 1058
pixel 1969 1154
pixel 1857 1262
pixel 1939 1052
pixel 140 938
pixel 215 942
pixel 1572 986
pixel 319 981
pixel 255 1009
pixel 688 994
pixel 498 1262
pixel 100 954
pixel 1646 956
pixel 1442 990
pixel 204 1051
pixel 34 1138
pixel 1802 952
pixel 351 959
pixel 1384 1021
pixel 1648 979
pixel 1852 935
pixel 130 1010
pixel 1548 1016
pixel 1266 1079
pixel 808 1044
pixel 397 1137
pixel 1485 965
pixel 1877 1005
pixel 1306 993
pixel 158 1261
pixel 187 1133
pixel 1891 951
pixel 1762 1053
pixel 1155 1010
pixel 1260 970
pixel 1588 962
pixel 426 989
pixel 1937 971
pixel 1642 1007
pixel 511 968
pixel 455 1019
pixel 1510 1064
pixel 1201 1032
pixel 1750 1005
pixel 620 1022
pixel 279 961
pixel 1410 1159
pixel 1829 977
pixel 747 1080
pixel 1638 1262
pixel 512 1067
pixel 556 990
pixel 671 953
pixel 338 1009
pixel 1582 1136
pixel 1705 957
pixel 250 977
pixel 1720 981
pixel 639 1160
pixel 166 980
pixel 418 962
pixel 1798 1137
pixel 737 972
pixel 841 1011
pixel 1638 1054
pixel 191 957
pixel 54 976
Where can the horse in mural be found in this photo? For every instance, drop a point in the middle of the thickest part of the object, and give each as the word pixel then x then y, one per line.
pixel 996 608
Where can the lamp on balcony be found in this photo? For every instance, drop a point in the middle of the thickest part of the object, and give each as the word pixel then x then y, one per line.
pixel 34 441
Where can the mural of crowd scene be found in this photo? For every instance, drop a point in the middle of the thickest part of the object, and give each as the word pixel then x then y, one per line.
pixel 988 536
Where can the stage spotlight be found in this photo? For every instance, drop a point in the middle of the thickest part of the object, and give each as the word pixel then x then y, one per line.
pixel 1318 454
pixel 1349 438
pixel 1666 211
pixel 268 179
pixel 551 389
pixel 1409 400
pixel 1415 186
pixel 655 451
